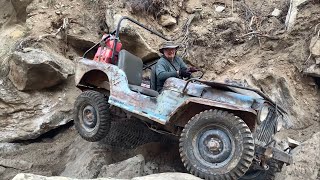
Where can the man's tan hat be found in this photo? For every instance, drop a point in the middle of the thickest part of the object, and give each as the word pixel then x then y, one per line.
pixel 168 45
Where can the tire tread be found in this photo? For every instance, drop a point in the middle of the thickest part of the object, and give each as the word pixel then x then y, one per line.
pixel 248 145
pixel 101 104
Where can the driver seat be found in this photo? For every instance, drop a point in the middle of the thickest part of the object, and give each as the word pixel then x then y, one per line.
pixel 153 78
pixel 133 67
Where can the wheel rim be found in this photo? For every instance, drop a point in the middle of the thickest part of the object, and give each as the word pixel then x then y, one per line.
pixel 214 146
pixel 88 117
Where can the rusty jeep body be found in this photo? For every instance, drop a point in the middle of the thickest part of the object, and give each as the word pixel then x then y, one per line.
pixel 225 131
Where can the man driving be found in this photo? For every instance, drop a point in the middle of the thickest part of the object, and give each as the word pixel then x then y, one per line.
pixel 170 65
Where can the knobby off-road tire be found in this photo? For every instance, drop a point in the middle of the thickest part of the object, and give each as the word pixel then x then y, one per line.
pixel 130 134
pixel 262 175
pixel 216 145
pixel 92 115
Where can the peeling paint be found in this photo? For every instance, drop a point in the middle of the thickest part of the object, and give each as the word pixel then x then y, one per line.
pixel 171 99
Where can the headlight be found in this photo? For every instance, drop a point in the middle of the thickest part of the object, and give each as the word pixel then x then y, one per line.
pixel 263 113
pixel 280 123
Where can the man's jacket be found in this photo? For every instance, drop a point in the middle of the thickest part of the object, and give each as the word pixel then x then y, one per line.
pixel 166 69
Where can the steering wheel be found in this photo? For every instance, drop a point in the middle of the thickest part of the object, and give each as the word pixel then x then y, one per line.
pixel 197 77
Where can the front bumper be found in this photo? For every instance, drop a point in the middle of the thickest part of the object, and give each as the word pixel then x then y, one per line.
pixel 273 153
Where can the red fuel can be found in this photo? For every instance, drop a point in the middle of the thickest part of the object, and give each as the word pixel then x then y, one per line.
pixel 104 53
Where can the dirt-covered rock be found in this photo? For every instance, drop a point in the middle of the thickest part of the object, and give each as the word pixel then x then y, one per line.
pixel 193 5
pixel 25 176
pixel 16 164
pixel 306 161
pixel 135 43
pixel 2 169
pixel 167 20
pixel 315 47
pixel 9 37
pixel 292 13
pixel 85 159
pixel 167 176
pixel 7 12
pixel 13 11
pixel 132 38
pixel 20 7
pixel 28 115
pixel 35 69
pixel 126 169
pixel 313 70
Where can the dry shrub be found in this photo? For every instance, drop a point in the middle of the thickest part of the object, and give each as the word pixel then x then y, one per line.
pixel 152 7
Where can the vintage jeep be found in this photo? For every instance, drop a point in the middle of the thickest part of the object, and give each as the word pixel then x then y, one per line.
pixel 226 131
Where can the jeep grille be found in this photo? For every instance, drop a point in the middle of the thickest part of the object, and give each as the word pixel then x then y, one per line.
pixel 267 128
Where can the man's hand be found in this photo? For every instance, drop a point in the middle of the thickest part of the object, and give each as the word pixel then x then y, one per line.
pixel 193 69
pixel 184 72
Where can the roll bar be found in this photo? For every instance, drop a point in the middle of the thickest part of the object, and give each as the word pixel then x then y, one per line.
pixel 137 23
pixel 117 32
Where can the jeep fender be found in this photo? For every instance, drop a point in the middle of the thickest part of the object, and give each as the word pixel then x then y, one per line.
pixel 193 106
pixel 92 73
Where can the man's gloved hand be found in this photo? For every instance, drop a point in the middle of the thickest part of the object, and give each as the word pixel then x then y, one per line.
pixel 193 69
pixel 184 72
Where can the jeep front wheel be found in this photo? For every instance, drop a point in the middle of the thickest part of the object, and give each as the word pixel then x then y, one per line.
pixel 92 115
pixel 268 174
pixel 216 144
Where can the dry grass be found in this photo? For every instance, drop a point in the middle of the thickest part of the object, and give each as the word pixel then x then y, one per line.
pixel 152 7
pixel 51 3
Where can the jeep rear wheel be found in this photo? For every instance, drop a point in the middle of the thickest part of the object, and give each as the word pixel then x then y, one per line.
pixel 216 144
pixel 92 115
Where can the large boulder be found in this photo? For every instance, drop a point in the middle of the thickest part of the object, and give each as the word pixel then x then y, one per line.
pixel 167 20
pixel 28 115
pixel 25 176
pixel 167 176
pixel 129 168
pixel 16 164
pixel 135 43
pixel 7 12
pixel 277 87
pixel 313 70
pixel 20 7
pixel 2 169
pixel 13 11
pixel 292 13
pixel 306 161
pixel 34 69
pixel 131 37
pixel 193 5
pixel 9 37
pixel 85 159
pixel 315 47
pixel 91 160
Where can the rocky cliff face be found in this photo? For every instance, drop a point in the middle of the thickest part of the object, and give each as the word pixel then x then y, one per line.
pixel 255 42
